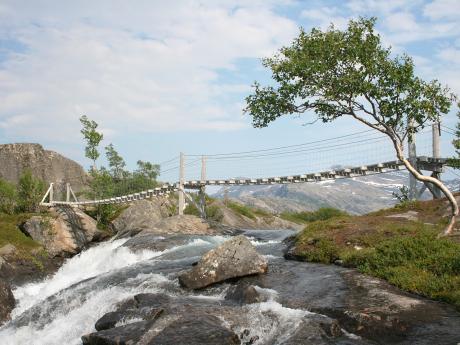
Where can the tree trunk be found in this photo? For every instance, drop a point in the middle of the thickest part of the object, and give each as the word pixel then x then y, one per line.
pixel 436 182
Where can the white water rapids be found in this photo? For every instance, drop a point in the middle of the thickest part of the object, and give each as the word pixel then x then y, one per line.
pixel 62 308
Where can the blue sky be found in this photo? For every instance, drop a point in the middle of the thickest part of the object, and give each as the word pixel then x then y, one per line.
pixel 164 77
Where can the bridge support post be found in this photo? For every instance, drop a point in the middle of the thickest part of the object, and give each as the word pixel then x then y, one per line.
pixel 413 160
pixel 436 129
pixel 67 196
pixel 203 188
pixel 181 184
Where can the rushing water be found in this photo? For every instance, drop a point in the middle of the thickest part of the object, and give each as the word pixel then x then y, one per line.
pixel 62 308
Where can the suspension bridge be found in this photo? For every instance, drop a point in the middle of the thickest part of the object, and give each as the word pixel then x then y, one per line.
pixel 431 162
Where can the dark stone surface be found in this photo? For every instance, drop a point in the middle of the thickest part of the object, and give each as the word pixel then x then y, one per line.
pixel 196 330
pixel 244 294
pixel 7 301
pixel 127 334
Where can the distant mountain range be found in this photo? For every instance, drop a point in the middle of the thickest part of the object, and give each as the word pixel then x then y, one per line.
pixel 354 195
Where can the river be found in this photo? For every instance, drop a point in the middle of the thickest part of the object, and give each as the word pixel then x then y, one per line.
pixel 62 308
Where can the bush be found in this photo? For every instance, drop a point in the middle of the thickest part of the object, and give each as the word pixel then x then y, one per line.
pixel 30 192
pixel 8 197
pixel 241 209
pixel 422 264
pixel 324 213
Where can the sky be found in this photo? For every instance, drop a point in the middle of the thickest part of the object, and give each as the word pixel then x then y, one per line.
pixel 164 77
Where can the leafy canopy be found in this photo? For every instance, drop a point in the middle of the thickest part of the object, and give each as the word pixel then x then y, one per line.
pixel 336 73
pixel 116 162
pixel 92 137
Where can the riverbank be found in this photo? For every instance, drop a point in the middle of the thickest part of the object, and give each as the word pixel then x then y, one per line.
pixel 399 245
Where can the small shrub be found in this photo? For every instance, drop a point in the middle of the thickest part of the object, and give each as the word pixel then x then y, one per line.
pixel 323 213
pixel 241 209
pixel 30 192
pixel 8 197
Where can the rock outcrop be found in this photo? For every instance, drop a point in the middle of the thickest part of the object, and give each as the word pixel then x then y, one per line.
pixel 141 215
pixel 46 165
pixel 234 258
pixel 66 231
pixel 7 302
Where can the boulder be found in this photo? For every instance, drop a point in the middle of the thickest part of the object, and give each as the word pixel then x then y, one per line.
pixel 234 258
pixel 66 231
pixel 7 302
pixel 127 334
pixel 142 214
pixel 245 294
pixel 7 250
pixel 196 330
pixel 186 224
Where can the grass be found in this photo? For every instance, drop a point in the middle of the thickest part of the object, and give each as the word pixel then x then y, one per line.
pixel 406 253
pixel 323 213
pixel 241 209
pixel 26 248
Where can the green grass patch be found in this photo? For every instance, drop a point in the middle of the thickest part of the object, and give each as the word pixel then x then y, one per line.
pixel 407 254
pixel 241 209
pixel 322 213
pixel 10 233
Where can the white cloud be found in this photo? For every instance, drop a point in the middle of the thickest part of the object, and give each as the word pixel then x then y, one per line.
pixel 325 16
pixel 442 9
pixel 142 68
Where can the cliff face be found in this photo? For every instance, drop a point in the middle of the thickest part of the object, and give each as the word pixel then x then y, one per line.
pixel 47 165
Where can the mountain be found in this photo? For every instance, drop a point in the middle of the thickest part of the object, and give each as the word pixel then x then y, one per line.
pixel 47 165
pixel 354 195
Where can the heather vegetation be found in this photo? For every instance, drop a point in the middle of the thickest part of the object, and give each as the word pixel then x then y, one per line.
pixel 407 253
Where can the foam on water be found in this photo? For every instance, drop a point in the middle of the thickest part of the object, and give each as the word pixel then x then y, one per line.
pixel 76 314
pixel 97 260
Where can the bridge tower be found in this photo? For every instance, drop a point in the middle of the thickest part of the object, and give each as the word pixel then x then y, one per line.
pixel 203 187
pixel 181 183
pixel 434 167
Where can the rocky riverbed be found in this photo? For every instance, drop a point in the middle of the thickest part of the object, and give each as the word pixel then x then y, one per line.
pixel 128 291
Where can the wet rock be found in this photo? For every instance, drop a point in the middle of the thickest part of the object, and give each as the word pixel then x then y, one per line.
pixel 147 240
pixel 196 330
pixel 7 250
pixel 245 294
pixel 290 252
pixel 186 224
pixel 144 306
pixel 317 332
pixel 66 231
pixel 127 334
pixel 234 258
pixel 7 302
pixel 141 215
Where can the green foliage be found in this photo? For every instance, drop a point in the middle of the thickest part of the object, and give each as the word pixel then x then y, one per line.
pixel 241 209
pixel 348 73
pixel 30 192
pixel 8 197
pixel 422 264
pixel 322 213
pixel 408 255
pixel 147 170
pixel 116 162
pixel 403 195
pixel 10 233
pixel 213 212
pixel 92 138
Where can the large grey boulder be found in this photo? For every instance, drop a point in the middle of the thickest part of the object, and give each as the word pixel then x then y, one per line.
pixel 65 231
pixel 7 302
pixel 234 258
pixel 141 215
pixel 46 165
